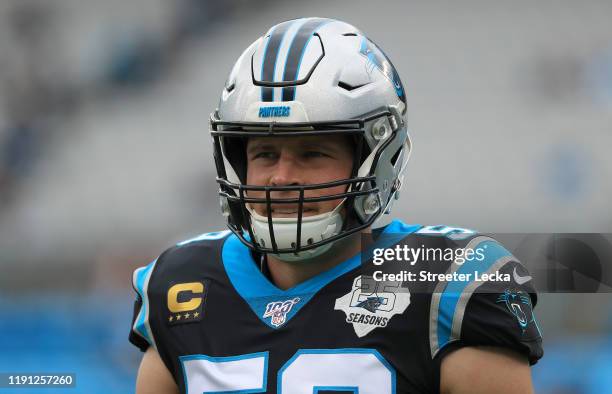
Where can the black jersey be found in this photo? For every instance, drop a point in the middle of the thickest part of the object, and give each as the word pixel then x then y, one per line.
pixel 220 325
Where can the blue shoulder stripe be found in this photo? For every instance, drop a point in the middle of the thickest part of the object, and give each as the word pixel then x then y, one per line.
pixel 450 299
pixel 140 282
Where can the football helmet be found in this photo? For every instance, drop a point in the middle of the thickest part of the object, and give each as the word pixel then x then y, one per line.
pixel 311 77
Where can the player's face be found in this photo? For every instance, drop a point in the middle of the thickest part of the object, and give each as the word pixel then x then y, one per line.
pixel 298 161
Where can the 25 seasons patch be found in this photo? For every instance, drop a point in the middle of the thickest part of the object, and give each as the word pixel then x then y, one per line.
pixel 371 304
pixel 186 302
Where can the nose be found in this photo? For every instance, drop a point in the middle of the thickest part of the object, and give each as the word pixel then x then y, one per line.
pixel 286 171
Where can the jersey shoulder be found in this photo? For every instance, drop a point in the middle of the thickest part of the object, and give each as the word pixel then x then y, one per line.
pixel 197 254
pixel 484 295
pixel 440 231
pixel 182 267
pixel 445 236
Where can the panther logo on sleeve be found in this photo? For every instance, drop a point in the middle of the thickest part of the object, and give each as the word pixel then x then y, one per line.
pixel 519 304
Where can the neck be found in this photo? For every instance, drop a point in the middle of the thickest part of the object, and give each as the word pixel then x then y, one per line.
pixel 288 274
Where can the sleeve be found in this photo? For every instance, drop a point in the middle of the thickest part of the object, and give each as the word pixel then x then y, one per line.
pixel 493 308
pixel 141 334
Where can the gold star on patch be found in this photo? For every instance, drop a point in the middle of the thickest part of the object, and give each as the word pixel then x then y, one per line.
pixel 196 314
pixel 171 318
pixel 186 315
pixel 178 317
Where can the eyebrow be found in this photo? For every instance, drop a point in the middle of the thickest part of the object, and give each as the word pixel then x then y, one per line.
pixel 317 144
pixel 260 144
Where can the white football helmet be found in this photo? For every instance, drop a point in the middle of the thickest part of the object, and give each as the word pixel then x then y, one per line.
pixel 311 76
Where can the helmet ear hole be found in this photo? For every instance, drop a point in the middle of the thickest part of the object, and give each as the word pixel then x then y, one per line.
pixel 396 156
pixel 234 149
pixel 360 143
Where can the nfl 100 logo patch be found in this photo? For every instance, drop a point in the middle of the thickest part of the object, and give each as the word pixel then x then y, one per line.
pixel 278 310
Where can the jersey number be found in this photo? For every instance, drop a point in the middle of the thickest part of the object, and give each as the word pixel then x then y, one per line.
pixel 309 371
pixel 454 233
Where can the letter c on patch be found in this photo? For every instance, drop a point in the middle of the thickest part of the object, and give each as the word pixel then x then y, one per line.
pixel 175 306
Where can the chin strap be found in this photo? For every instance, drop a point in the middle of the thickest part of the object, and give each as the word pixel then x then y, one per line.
pixel 313 229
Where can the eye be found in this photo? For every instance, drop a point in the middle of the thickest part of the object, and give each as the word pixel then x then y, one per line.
pixel 268 155
pixel 314 154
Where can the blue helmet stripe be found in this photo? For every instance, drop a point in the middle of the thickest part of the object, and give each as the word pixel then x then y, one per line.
pixel 296 53
pixel 269 58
